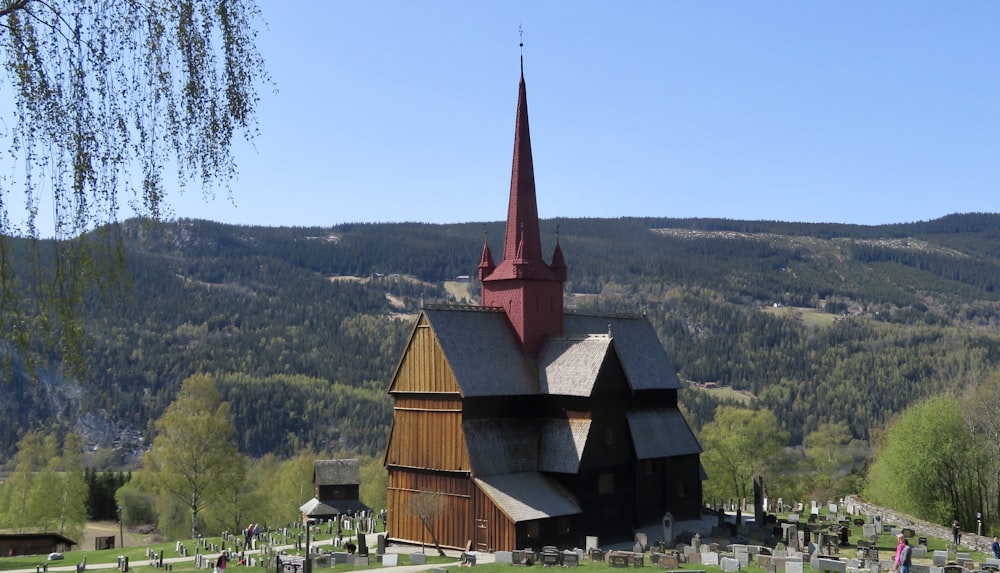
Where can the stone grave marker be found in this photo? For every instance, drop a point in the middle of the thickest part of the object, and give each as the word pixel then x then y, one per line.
pixel 729 565
pixel 503 557
pixel 831 565
pixel 670 561
pixel 939 558
pixel 390 559
pixel 710 558
pixel 793 566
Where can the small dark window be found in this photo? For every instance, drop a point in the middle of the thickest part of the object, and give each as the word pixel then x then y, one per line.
pixel 531 529
pixel 606 484
pixel 563 525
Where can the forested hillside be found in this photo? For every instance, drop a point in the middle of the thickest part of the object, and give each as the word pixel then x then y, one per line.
pixel 303 326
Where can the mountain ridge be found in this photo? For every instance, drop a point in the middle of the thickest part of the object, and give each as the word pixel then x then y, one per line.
pixel 305 359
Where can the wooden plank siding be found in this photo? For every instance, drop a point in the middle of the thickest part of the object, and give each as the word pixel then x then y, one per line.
pixel 494 531
pixel 452 526
pixel 423 367
pixel 428 438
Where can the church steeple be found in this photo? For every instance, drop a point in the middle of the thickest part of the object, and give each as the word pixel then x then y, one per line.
pixel 528 289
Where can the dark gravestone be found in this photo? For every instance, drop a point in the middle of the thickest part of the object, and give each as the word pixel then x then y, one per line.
pixel 859 521
pixel 922 541
pixel 570 559
pixel 596 554
pixel 617 559
pixel 362 546
pixel 550 559
pixel 909 533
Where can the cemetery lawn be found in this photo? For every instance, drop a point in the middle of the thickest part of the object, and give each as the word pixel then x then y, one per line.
pixel 139 562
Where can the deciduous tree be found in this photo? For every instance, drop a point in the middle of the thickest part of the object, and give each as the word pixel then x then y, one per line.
pixel 194 458
pixel 740 444
pixel 114 104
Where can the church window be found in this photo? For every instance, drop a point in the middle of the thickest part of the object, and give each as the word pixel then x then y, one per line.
pixel 606 484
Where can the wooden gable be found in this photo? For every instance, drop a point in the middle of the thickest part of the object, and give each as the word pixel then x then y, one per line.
pixel 427 408
pixel 423 367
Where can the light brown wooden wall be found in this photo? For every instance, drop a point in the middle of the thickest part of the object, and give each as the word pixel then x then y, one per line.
pixel 500 532
pixel 423 367
pixel 428 435
pixel 452 526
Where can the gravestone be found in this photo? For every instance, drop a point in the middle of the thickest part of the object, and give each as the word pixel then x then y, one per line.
pixel 503 557
pixel 939 558
pixel 618 559
pixel 793 566
pixel 390 559
pixel 919 552
pixel 591 543
pixel 729 565
pixel 668 526
pixel 793 518
pixel 570 559
pixel 694 558
pixel 908 532
pixel 831 565
pixel 418 558
pixel 870 531
pixel 790 533
pixel 744 559
pixel 710 558
pixel 549 558
pixel 670 561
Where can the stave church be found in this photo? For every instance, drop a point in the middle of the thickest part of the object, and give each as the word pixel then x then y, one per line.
pixel 519 424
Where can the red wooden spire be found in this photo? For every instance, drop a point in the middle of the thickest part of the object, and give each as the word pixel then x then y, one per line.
pixel 528 289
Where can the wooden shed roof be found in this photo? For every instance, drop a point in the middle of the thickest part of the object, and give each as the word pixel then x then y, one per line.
pixel 528 495
pixel 569 366
pixel 562 445
pixel 330 507
pixel 336 472
pixel 643 358
pixel 501 445
pixel 660 433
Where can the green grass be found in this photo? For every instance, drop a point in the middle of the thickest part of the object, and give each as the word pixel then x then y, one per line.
pixel 138 561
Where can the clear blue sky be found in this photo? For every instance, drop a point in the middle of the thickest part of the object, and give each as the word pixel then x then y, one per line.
pixel 842 111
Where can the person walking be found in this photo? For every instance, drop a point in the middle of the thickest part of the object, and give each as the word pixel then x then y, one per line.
pixel 956 532
pixel 904 554
pixel 995 548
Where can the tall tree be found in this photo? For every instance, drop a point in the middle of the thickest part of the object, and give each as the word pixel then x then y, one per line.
pixel 927 464
pixel 740 444
pixel 21 507
pixel 828 457
pixel 194 458
pixel 107 96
